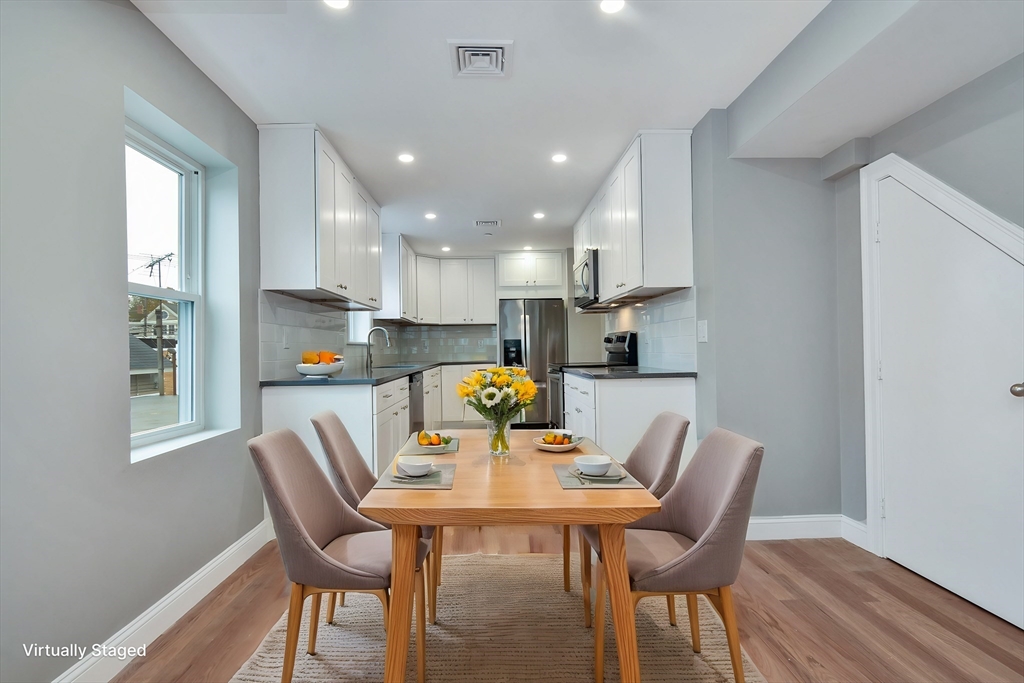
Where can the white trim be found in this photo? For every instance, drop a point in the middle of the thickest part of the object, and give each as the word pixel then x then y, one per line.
pixel 145 628
pixel 855 532
pixel 1001 233
pixel 794 526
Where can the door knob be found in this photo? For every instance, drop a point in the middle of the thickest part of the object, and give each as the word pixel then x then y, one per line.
pixel 1017 390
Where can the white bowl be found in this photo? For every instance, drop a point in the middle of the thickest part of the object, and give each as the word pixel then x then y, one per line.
pixel 552 448
pixel 412 466
pixel 593 465
pixel 316 369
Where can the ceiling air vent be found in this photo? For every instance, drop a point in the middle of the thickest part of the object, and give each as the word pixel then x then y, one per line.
pixel 479 58
pixel 488 224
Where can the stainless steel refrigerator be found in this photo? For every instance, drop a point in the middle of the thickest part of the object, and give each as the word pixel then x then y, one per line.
pixel 531 334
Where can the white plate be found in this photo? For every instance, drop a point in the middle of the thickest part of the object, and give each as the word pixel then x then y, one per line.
pixel 439 447
pixel 411 466
pixel 551 448
pixel 316 369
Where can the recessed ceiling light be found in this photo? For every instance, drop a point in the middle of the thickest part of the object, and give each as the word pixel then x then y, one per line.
pixel 430 216
pixel 527 248
pixel 488 234
pixel 559 158
pixel 405 158
pixel 336 4
pixel 538 215
pixel 639 305
pixel 446 248
pixel 612 6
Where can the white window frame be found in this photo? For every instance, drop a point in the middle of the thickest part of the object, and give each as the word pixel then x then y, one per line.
pixel 190 270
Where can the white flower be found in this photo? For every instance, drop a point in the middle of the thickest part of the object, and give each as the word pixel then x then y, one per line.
pixel 510 393
pixel 490 397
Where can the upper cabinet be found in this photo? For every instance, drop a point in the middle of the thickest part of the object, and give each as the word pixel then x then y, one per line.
pixel 319 230
pixel 581 238
pixel 641 220
pixel 467 292
pixel 530 269
pixel 398 291
pixel 428 294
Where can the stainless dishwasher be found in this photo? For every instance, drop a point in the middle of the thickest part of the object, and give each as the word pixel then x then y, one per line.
pixel 555 416
pixel 416 402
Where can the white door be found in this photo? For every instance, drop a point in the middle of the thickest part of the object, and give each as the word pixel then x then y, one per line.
pixel 483 302
pixel 453 292
pixel 359 290
pixel 403 423
pixel 373 256
pixel 343 232
pixel 952 344
pixel 326 167
pixel 451 404
pixel 428 291
pixel 547 269
pixel 515 270
pixel 632 234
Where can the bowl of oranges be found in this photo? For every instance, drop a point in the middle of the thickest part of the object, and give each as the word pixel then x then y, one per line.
pixel 432 442
pixel 557 441
pixel 320 363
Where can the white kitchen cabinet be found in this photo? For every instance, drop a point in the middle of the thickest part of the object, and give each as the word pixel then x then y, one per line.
pixel 398 281
pixel 453 292
pixel 384 424
pixel 309 242
pixel 644 221
pixel 483 303
pixel 432 409
pixel 373 255
pixel 451 405
pixel 428 291
pixel 581 240
pixel 470 414
pixel 530 269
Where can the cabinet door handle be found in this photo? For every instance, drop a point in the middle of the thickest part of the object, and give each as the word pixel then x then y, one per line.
pixel 578 410
pixel 405 407
pixel 395 413
pixel 463 320
pixel 585 393
pixel 425 393
pixel 388 395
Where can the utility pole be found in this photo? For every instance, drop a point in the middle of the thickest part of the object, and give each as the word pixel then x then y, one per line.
pixel 156 262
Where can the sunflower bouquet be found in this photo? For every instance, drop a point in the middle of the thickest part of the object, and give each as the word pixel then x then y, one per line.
pixel 498 395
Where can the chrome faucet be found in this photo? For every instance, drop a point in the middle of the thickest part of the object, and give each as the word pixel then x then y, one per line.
pixel 369 345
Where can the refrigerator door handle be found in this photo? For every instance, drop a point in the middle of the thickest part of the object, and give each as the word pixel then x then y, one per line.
pixel 527 352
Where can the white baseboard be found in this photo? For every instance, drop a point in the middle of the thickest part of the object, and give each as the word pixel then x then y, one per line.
pixel 794 526
pixel 856 533
pixel 146 627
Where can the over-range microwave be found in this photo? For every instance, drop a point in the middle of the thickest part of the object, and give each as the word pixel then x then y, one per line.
pixel 584 278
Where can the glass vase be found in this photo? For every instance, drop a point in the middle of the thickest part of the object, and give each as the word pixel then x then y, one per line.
pixel 498 433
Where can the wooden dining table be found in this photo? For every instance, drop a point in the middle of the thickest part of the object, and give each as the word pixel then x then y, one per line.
pixel 519 489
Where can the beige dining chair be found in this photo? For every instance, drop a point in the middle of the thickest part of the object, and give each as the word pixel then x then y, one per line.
pixel 694 544
pixel 353 479
pixel 654 463
pixel 325 545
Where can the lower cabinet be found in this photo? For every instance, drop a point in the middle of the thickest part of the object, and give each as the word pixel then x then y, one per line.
pixel 453 409
pixel 432 408
pixel 392 429
pixel 615 413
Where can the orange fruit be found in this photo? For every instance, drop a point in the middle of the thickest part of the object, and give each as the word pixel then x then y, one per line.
pixel 558 439
pixel 423 438
pixel 310 357
pixel 327 357
pixel 435 440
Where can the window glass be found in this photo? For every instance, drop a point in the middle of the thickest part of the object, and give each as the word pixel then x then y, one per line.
pixel 159 362
pixel 154 220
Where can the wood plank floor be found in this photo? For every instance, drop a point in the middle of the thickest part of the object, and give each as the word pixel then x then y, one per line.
pixel 810 610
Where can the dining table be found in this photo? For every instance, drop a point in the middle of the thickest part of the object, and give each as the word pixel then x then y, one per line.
pixel 519 489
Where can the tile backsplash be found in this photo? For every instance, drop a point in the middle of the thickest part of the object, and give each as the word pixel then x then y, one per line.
pixel 289 326
pixel 667 328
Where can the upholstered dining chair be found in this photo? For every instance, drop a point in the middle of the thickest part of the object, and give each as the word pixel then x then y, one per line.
pixel 654 463
pixel 353 479
pixel 326 546
pixel 694 544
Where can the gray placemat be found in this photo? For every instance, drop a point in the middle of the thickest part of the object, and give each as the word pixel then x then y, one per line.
pixel 568 481
pixel 413 447
pixel 440 477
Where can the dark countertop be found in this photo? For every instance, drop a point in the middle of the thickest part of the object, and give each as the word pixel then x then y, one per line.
pixel 356 374
pixel 627 372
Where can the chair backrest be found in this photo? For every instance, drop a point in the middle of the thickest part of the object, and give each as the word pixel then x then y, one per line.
pixel 655 459
pixel 351 475
pixel 308 512
pixel 710 504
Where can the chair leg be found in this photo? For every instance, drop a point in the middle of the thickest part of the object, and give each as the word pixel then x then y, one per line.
pixel 585 576
pixel 428 568
pixel 732 634
pixel 566 546
pixel 341 599
pixel 438 552
pixel 671 609
pixel 421 624
pixel 314 621
pixel 331 600
pixel 599 623
pixel 691 607
pixel 382 595
pixel 291 641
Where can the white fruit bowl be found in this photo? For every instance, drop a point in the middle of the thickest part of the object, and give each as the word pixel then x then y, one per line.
pixel 593 465
pixel 552 448
pixel 319 369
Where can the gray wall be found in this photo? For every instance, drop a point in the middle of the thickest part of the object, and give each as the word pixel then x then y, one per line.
pixel 87 540
pixel 972 139
pixel 768 241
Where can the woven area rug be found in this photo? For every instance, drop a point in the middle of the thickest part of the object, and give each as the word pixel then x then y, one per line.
pixel 502 618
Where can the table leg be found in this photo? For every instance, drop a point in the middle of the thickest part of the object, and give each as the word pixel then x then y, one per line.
pixel 613 556
pixel 404 538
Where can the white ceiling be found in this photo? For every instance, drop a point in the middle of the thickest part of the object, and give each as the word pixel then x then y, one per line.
pixel 377 78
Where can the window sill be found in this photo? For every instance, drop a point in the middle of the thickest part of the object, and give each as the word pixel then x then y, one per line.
pixel 151 450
